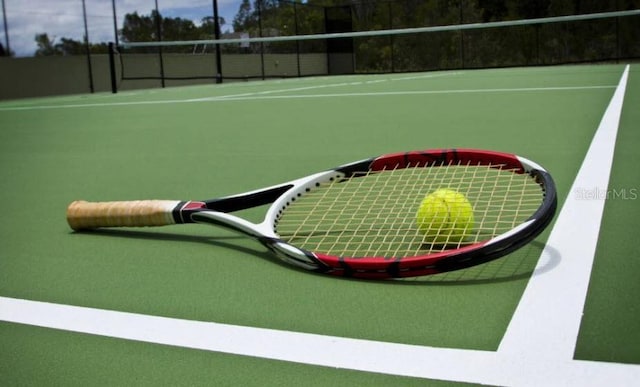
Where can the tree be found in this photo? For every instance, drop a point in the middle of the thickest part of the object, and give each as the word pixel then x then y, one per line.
pixel 66 46
pixel 207 26
pixel 137 28
pixel 71 47
pixel 144 28
pixel 277 17
pixel 245 17
pixel 179 29
pixel 46 46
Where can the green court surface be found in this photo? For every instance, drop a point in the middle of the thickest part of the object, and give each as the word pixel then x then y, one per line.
pixel 215 140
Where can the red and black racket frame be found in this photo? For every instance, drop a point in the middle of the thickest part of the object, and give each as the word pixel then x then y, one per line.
pixel 382 267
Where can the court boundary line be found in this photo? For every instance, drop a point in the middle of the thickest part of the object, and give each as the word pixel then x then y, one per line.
pixel 524 357
pixel 415 92
pixel 559 296
pixel 262 95
pixel 207 99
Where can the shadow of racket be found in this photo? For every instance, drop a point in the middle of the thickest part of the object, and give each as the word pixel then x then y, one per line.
pixel 516 266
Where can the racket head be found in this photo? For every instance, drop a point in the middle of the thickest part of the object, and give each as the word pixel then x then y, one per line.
pixel 513 198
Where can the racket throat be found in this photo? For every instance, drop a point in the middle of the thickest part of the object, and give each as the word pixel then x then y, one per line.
pixel 295 256
pixel 263 233
pixel 184 210
pixel 230 222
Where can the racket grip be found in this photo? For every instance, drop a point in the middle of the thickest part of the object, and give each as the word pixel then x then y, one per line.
pixel 83 215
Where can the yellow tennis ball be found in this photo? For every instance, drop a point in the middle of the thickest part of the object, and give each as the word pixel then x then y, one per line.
pixel 445 216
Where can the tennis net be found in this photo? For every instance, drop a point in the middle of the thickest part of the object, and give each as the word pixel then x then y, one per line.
pixel 595 37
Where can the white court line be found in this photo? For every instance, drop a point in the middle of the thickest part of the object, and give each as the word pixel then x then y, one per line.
pixel 461 365
pixel 267 92
pixel 412 92
pixel 315 87
pixel 414 77
pixel 224 97
pixel 262 95
pixel 547 320
pixel 526 356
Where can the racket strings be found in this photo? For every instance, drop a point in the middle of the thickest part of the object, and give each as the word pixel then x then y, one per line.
pixel 394 231
pixel 374 213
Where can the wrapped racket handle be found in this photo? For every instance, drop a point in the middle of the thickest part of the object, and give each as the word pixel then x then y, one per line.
pixel 83 215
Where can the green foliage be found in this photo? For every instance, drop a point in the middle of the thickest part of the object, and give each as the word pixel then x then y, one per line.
pixel 539 44
pixel 155 27
pixel 47 46
pixel 246 17
pixel 136 28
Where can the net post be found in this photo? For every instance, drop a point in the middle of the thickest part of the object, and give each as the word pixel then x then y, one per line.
pixel 461 9
pixel 158 22
pixel 216 34
pixel 617 40
pixel 87 46
pixel 259 3
pixel 295 31
pixel 391 37
pixel 112 67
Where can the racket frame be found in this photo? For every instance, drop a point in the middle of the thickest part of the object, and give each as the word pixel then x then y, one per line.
pixel 217 212
pixel 283 195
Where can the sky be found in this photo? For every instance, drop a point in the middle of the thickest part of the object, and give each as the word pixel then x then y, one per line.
pixel 63 18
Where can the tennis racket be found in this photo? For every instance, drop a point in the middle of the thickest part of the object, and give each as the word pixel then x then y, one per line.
pixel 359 219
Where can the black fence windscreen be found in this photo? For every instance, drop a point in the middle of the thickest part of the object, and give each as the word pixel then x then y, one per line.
pixel 291 39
